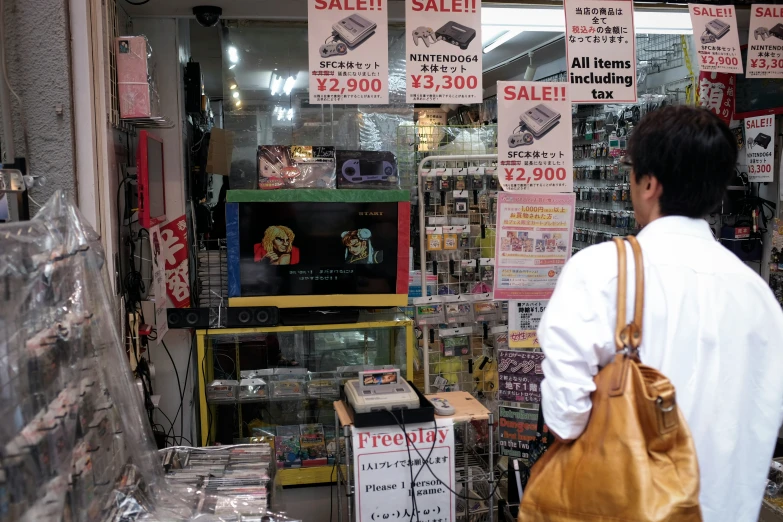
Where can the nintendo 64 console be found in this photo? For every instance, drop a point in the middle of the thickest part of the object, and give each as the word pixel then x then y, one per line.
pixel 378 390
pixel 456 34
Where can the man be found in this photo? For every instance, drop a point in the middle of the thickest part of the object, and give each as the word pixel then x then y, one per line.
pixel 711 324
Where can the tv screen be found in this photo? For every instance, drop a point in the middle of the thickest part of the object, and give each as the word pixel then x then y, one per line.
pixel 152 189
pixel 302 248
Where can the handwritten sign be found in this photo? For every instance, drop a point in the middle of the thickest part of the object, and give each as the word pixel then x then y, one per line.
pixel 384 459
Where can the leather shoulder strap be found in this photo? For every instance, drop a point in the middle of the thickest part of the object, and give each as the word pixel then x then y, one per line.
pixel 629 335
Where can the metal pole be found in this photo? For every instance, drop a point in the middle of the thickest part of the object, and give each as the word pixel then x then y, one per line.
pixel 348 472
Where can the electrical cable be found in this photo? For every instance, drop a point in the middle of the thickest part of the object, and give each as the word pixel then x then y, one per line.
pixel 182 396
pixel 179 384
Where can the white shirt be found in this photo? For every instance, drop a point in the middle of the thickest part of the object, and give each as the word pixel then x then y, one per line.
pixel 711 325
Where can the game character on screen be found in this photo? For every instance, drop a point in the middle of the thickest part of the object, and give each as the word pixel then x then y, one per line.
pixel 358 248
pixel 277 247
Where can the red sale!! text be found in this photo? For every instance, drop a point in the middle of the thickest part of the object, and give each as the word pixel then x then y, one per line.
pixel 534 94
pixel 420 436
pixel 349 5
pixel 445 6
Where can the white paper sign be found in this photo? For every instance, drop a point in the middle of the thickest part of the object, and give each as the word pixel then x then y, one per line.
pixel 717 38
pixel 443 51
pixel 601 51
pixel 348 43
pixel 765 42
pixel 159 281
pixel 760 147
pixel 534 137
pixel 383 472
pixel 525 315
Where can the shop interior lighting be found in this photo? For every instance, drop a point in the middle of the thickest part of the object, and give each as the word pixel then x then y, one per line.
pixel 553 20
pixel 503 38
pixel 233 54
pixel 232 84
pixel 289 85
pixel 275 84
pixel 235 94
pixel 290 114
pixel 238 103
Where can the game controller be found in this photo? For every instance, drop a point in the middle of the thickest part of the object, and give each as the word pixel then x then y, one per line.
pixel 521 138
pixel 761 32
pixel 333 49
pixel 352 172
pixel 425 34
pixel 707 38
pixel 442 406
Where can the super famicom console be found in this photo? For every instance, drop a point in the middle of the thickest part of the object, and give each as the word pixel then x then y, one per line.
pixel 378 390
pixel 534 124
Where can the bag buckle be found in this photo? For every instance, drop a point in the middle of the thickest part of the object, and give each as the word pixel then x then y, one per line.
pixel 665 409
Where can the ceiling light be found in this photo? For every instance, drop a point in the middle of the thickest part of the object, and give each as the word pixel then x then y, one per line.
pixel 232 83
pixel 232 66
pixel 275 83
pixel 669 21
pixel 289 85
pixel 235 94
pixel 238 103
pixel 233 54
pixel 503 38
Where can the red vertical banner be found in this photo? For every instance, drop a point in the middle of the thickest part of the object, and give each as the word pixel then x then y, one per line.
pixel 717 92
pixel 174 246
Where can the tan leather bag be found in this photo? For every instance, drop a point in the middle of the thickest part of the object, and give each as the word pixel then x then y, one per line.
pixel 635 460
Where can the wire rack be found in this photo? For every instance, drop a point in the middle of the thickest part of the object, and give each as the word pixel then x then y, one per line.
pixel 659 52
pixel 212 279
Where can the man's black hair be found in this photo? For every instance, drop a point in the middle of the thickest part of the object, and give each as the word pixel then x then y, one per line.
pixel 691 152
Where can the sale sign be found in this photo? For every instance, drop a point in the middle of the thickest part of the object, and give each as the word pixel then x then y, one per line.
pixel 443 51
pixel 534 137
pixel 760 148
pixel 532 244
pixel 765 42
pixel 349 52
pixel 601 51
pixel 718 46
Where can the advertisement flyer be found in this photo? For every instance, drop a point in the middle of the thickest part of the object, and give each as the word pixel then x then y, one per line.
pixel 533 243
pixel 518 428
pixel 534 137
pixel 525 315
pixel 520 375
pixel 349 52
pixel 716 36
pixel 383 462
pixel 765 42
pixel 601 51
pixel 760 148
pixel 443 51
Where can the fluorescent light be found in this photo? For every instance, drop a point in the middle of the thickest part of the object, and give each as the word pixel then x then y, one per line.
pixel 233 54
pixel 275 84
pixel 289 85
pixel 235 94
pixel 503 38
pixel 553 20
pixel 232 66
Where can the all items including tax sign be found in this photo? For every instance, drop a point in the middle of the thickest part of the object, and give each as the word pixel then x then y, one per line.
pixel 534 137
pixel 349 52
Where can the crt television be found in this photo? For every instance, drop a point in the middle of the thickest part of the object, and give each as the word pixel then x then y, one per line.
pixel 309 247
pixel 152 193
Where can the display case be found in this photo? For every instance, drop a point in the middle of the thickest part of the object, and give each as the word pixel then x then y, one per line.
pixel 285 380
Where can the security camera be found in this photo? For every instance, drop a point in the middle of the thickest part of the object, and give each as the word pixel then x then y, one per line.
pixel 207 15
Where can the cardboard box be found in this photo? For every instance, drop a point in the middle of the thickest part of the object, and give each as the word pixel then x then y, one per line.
pixel 221 145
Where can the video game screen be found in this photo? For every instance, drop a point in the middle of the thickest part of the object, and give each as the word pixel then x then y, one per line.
pixel 316 248
pixel 379 378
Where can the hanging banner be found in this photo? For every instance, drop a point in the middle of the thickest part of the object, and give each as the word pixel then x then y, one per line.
pixel 717 93
pixel 544 224
pixel 760 148
pixel 520 375
pixel 349 52
pixel 601 51
pixel 534 137
pixel 517 428
pixel 383 464
pixel 718 46
pixel 765 42
pixel 443 51
pixel 159 282
pixel 174 246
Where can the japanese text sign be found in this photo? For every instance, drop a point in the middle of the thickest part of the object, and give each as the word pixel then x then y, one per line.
pixel 533 243
pixel 760 148
pixel 174 246
pixel 443 51
pixel 765 42
pixel 601 51
pixel 520 375
pixel 534 137
pixel 384 460
pixel 717 94
pixel 518 427
pixel 348 44
pixel 525 315
pixel 715 28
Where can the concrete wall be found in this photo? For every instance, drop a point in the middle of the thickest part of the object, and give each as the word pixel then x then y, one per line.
pixel 38 60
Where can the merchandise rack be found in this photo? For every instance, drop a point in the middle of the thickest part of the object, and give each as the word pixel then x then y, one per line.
pixel 481 245
pixel 474 457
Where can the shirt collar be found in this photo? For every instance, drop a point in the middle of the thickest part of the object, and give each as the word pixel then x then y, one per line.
pixel 678 225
